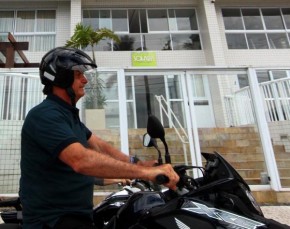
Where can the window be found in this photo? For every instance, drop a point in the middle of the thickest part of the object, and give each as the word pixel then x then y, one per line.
pixel 252 19
pixel 257 41
pixel 257 28
pixel 147 29
pixel 128 43
pixel 91 17
pixel 156 42
pixel 35 26
pixel 158 20
pixel 286 16
pixel 232 19
pixel 263 76
pixel 272 19
pixel 6 21
pixel 236 41
pixel 119 20
pixel 105 19
pixel 185 19
pixel 186 42
pixel 243 80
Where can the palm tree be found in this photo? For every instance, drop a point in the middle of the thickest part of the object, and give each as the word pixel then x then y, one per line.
pixel 85 35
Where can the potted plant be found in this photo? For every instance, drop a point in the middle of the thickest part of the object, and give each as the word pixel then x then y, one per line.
pixel 95 100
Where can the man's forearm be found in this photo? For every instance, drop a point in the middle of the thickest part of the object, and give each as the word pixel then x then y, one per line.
pixel 103 147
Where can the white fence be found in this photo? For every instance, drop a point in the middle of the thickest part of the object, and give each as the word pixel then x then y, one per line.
pixel 276 96
pixel 18 94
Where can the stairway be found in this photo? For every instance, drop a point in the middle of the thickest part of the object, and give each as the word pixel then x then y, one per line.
pixel 241 147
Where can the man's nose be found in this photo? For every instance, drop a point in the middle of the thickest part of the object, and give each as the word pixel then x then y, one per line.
pixel 84 79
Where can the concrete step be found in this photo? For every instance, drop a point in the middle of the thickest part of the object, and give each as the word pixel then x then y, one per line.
pixel 272 197
pixel 250 172
pixel 241 147
pixel 284 172
pixel 241 157
pixel 285 182
pixel 279 149
pixel 283 163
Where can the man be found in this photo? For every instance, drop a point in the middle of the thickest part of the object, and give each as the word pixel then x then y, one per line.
pixel 60 157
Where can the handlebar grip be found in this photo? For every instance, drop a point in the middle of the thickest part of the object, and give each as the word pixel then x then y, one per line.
pixel 162 179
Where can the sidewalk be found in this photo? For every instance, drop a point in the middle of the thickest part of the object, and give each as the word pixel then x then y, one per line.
pixel 278 213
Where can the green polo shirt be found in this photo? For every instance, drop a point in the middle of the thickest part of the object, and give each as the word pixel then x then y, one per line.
pixel 48 187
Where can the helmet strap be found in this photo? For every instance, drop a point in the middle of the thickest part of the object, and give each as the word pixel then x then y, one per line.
pixel 72 96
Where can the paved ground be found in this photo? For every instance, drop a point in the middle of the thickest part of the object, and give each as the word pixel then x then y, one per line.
pixel 278 213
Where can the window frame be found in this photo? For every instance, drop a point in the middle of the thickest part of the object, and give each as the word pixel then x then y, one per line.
pixel 33 34
pixel 149 32
pixel 264 30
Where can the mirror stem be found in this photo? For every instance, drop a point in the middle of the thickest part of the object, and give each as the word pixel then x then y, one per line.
pixel 160 162
pixel 167 155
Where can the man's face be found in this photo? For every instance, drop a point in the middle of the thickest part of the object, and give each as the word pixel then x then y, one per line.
pixel 79 84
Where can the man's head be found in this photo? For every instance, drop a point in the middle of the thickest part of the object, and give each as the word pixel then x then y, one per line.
pixel 59 66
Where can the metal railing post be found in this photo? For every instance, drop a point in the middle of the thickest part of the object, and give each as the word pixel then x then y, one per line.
pixel 264 131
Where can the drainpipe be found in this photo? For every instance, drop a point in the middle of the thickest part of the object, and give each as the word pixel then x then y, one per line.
pixel 264 131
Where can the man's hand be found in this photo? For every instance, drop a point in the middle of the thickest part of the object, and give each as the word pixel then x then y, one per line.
pixel 167 170
pixel 124 182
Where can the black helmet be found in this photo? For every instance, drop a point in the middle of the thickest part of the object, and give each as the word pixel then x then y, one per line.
pixel 58 65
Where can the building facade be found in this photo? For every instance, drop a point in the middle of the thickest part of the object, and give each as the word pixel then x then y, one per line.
pixel 203 59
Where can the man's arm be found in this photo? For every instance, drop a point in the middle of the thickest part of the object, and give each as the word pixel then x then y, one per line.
pixel 92 163
pixel 102 146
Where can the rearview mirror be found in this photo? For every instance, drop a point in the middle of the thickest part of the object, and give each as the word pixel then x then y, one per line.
pixel 155 128
pixel 148 141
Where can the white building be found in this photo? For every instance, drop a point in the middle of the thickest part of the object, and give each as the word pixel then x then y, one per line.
pixel 192 52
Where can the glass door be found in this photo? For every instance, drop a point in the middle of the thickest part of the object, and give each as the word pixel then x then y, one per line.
pixel 158 94
pixel 103 112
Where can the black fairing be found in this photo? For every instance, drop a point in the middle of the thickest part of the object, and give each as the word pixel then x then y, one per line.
pixel 221 178
pixel 107 209
pixel 137 207
pixel 156 214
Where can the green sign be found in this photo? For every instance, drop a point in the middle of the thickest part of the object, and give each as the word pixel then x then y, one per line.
pixel 144 59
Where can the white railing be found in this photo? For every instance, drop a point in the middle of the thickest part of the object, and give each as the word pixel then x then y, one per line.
pixel 276 97
pixel 276 94
pixel 18 94
pixel 239 108
pixel 181 133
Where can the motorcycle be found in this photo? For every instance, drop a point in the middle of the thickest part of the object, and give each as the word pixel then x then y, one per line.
pixel 220 198
pixel 12 213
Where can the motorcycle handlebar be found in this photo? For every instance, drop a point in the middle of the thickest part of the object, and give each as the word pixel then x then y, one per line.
pixel 162 179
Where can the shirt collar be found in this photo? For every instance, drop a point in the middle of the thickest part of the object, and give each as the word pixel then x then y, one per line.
pixel 63 103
